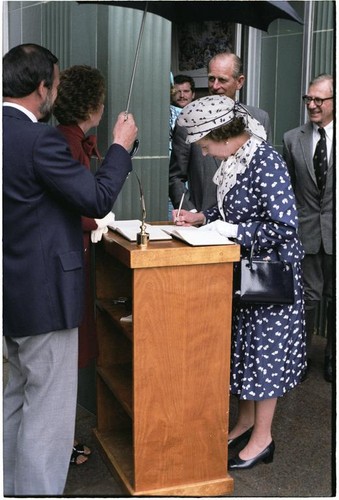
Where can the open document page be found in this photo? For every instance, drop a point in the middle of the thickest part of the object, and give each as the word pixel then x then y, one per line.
pixel 197 236
pixel 129 229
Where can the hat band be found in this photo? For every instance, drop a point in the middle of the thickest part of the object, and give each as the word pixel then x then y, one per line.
pixel 238 110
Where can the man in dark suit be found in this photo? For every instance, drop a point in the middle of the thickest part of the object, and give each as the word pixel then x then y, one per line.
pixel 45 192
pixel 314 197
pixel 189 171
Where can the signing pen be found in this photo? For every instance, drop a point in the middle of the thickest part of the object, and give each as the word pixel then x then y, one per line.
pixel 180 205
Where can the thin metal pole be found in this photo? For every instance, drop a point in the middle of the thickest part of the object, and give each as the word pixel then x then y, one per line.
pixel 136 58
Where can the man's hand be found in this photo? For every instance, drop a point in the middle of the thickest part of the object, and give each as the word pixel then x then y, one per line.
pixel 125 131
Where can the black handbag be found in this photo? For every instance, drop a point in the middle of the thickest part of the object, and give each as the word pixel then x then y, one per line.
pixel 266 282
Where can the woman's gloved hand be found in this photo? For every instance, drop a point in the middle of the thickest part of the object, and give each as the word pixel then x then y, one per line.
pixel 224 228
pixel 102 228
pixel 96 234
pixel 105 221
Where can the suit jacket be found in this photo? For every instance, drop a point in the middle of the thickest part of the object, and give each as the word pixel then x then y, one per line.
pixel 76 140
pixel 82 149
pixel 315 212
pixel 45 192
pixel 193 173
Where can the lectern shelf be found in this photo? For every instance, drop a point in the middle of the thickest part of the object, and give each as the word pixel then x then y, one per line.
pixel 162 380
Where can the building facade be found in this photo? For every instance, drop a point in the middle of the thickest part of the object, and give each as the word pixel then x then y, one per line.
pixel 278 66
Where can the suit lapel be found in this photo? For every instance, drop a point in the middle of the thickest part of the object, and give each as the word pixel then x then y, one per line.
pixel 330 160
pixel 306 147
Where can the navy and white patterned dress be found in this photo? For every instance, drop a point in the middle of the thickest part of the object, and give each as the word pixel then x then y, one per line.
pixel 268 341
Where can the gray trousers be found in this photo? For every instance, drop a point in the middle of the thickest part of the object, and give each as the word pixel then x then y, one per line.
pixel 318 278
pixel 39 412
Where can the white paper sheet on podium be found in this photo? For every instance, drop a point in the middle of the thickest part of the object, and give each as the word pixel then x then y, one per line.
pixel 197 237
pixel 129 229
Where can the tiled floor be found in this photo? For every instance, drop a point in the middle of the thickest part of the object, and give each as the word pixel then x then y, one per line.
pixel 303 464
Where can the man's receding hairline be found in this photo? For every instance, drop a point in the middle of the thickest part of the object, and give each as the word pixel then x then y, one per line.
pixel 237 63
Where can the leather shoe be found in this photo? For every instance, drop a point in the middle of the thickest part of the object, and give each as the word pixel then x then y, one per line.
pixel 265 456
pixel 328 369
pixel 232 443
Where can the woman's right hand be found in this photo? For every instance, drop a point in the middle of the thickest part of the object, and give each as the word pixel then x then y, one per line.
pixel 125 131
pixel 187 218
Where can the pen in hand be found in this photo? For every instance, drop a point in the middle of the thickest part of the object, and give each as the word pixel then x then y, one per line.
pixel 179 209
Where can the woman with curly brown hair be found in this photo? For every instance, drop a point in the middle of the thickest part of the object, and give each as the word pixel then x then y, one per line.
pixel 78 108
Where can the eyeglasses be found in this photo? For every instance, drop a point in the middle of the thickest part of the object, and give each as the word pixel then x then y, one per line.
pixel 318 101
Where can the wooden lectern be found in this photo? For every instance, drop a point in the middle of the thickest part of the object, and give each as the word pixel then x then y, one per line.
pixel 163 379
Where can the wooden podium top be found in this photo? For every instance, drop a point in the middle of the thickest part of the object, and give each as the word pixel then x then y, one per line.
pixel 165 253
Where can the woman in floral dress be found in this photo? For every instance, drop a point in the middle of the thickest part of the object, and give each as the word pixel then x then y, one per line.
pixel 254 196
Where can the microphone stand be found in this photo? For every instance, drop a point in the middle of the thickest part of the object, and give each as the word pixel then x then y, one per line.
pixel 143 236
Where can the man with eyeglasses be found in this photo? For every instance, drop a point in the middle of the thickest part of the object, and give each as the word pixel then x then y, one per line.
pixel 190 172
pixel 308 153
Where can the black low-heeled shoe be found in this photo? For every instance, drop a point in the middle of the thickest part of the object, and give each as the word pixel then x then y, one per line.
pixel 265 456
pixel 232 443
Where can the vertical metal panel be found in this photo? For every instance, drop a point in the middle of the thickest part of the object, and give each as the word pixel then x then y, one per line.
pixel 14 27
pixel 149 104
pixel 315 40
pixel 83 47
pixel 107 36
pixel 31 18
pixel 324 14
pixel 56 30
pixel 323 38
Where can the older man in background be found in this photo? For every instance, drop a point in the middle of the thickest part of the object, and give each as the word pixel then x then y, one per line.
pixel 190 172
pixel 308 153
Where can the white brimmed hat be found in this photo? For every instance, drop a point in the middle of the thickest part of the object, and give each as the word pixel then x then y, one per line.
pixel 211 112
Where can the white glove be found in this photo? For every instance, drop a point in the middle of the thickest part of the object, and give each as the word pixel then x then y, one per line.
pixel 96 234
pixel 106 221
pixel 224 228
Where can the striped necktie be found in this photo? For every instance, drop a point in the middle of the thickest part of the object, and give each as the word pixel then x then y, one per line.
pixel 320 160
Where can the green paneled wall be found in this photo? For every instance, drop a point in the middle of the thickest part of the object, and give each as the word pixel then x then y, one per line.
pixel 106 37
pixel 149 104
pixel 284 65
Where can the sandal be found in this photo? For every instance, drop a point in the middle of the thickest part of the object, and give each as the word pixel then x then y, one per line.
pixel 75 455
pixel 82 449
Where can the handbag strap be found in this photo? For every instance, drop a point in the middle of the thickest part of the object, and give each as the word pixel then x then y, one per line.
pixel 253 246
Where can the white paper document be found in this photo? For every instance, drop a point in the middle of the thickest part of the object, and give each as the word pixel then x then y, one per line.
pixel 197 236
pixel 192 235
pixel 129 229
